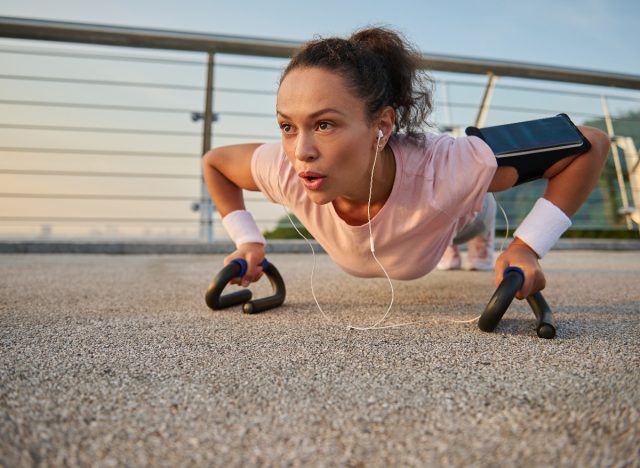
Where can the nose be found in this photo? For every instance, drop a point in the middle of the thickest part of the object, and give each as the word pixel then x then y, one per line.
pixel 305 148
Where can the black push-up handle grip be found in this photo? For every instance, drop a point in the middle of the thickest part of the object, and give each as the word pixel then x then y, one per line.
pixel 238 268
pixel 545 326
pixel 512 280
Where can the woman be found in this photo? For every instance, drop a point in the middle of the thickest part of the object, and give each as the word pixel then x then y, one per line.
pixel 352 165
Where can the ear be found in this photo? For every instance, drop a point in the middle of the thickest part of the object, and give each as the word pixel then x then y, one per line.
pixel 385 122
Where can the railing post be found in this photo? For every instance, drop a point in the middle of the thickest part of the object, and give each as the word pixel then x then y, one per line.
pixel 616 161
pixel 633 170
pixel 486 101
pixel 206 206
pixel 447 108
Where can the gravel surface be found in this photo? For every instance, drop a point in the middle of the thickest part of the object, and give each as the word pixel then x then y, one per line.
pixel 116 361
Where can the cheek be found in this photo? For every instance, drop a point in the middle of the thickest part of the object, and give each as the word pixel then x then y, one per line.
pixel 286 146
pixel 354 155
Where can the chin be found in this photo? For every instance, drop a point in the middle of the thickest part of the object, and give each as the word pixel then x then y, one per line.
pixel 319 198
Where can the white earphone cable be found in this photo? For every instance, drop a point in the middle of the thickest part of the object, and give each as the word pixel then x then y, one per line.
pixel 376 325
pixel 372 245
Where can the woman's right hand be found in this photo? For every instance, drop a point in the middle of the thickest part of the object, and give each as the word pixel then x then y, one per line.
pixel 253 254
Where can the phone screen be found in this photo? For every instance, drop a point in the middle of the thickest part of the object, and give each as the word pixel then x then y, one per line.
pixel 532 136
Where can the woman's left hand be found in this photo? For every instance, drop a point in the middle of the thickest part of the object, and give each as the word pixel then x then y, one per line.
pixel 521 255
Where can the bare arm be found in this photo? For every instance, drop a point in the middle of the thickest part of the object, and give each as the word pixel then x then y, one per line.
pixel 571 180
pixel 227 171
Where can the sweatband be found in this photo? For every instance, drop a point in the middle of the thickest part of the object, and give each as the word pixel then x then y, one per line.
pixel 242 228
pixel 543 226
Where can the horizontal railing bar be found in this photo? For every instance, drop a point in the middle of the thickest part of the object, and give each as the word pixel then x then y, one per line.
pixel 60 128
pixel 133 84
pixel 125 58
pixel 527 110
pixel 540 90
pixel 88 196
pixel 98 197
pixel 126 108
pixel 164 197
pixel 98 174
pixel 39 219
pixel 97 220
pixel 96 106
pixel 265 115
pixel 273 92
pixel 24 28
pixel 245 91
pixel 134 131
pixel 97 152
pixel 176 198
pixel 119 58
pixel 273 68
pixel 101 82
pixel 25 220
pixel 271 115
pixel 250 67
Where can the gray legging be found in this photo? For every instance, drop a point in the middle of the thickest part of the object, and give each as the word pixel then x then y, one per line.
pixel 484 221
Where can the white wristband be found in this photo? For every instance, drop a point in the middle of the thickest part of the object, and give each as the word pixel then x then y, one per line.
pixel 543 226
pixel 242 228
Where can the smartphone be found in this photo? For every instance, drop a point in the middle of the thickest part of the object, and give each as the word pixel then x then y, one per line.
pixel 534 136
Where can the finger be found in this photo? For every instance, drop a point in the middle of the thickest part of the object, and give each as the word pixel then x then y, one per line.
pixel 233 256
pixel 501 265
pixel 254 269
pixel 539 283
pixel 252 277
pixel 527 285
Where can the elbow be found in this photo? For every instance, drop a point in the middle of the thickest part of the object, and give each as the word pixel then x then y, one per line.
pixel 600 141
pixel 209 158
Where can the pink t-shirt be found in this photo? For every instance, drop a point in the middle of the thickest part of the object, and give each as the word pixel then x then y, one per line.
pixel 439 187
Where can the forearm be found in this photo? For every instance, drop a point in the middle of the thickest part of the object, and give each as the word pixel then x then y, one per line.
pixel 571 180
pixel 225 194
pixel 569 187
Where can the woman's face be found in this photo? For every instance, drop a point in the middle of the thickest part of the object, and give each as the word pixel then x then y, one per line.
pixel 325 135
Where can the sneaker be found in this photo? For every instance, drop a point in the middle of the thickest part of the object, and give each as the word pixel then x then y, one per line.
pixel 450 259
pixel 480 253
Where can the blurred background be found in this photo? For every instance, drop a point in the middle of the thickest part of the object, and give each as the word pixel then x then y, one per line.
pixel 102 142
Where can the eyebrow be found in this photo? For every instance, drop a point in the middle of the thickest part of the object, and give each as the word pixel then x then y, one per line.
pixel 316 113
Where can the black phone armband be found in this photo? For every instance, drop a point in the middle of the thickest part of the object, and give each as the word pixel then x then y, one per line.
pixel 533 146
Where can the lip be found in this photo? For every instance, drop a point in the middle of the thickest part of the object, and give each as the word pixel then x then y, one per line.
pixel 312 180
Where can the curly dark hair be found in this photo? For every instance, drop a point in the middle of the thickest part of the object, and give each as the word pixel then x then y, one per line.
pixel 380 67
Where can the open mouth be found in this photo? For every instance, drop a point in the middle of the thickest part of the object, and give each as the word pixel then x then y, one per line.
pixel 312 180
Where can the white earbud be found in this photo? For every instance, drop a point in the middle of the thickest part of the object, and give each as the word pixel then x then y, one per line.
pixel 380 134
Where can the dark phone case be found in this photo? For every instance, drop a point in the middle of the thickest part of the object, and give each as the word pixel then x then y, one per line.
pixel 532 166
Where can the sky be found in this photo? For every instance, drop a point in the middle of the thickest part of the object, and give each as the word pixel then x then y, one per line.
pixel 589 34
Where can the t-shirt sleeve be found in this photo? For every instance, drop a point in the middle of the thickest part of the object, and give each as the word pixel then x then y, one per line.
pixel 267 166
pixel 463 169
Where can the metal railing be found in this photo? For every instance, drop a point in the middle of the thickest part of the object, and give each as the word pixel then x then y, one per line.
pixel 107 139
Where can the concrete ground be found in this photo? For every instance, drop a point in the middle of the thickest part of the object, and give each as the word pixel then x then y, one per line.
pixel 116 361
